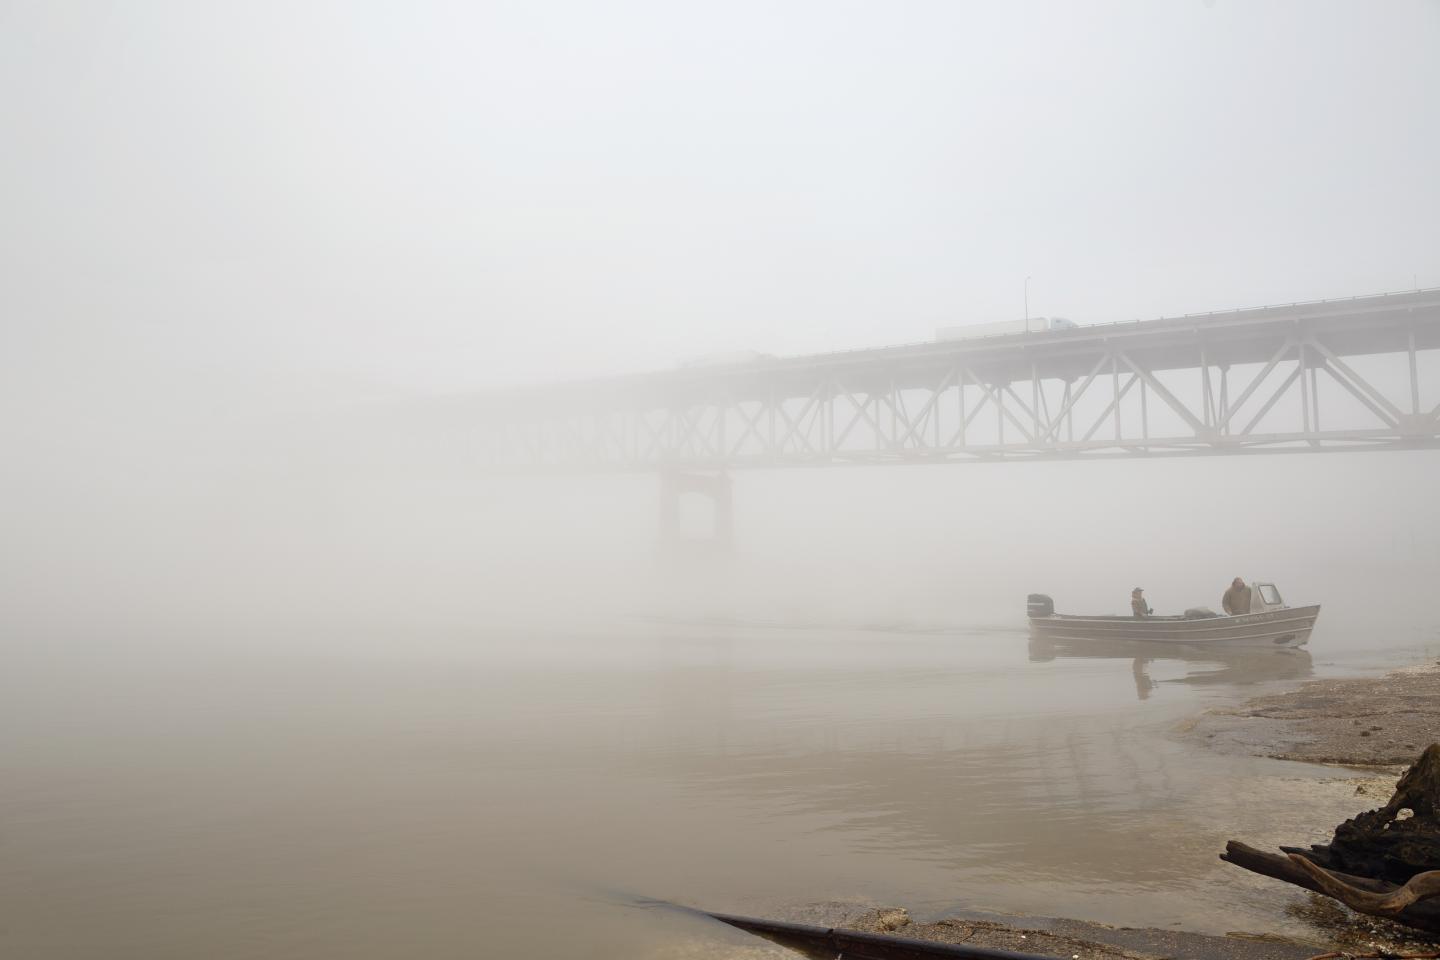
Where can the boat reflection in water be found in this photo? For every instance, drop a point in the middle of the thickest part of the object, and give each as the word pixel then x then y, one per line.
pixel 1214 663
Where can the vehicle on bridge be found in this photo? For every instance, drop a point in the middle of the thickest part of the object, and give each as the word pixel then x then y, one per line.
pixel 1270 621
pixel 730 358
pixel 1001 328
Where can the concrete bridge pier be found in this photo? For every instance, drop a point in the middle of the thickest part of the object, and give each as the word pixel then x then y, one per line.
pixel 714 486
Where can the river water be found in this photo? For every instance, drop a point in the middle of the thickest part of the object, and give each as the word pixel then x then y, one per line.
pixel 422 794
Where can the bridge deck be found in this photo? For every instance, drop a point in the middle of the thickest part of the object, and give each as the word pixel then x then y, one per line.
pixel 1039 393
pixel 1357 326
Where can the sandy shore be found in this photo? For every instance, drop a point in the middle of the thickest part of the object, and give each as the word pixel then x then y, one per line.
pixel 1056 937
pixel 1373 722
pixel 1377 725
pixel 1336 929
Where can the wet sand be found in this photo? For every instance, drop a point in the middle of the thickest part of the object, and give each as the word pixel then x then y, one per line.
pixel 1056 937
pixel 1070 939
pixel 1371 722
pixel 1378 725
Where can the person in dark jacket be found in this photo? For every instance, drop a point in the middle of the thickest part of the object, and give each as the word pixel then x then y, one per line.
pixel 1237 599
pixel 1138 606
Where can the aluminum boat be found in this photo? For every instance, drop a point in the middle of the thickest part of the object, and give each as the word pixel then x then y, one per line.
pixel 1270 621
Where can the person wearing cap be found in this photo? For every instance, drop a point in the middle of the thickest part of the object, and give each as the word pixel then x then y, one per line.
pixel 1237 599
pixel 1138 606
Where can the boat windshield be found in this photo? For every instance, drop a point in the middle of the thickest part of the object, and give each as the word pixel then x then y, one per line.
pixel 1269 594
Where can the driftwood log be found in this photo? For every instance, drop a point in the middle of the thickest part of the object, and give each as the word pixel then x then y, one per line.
pixel 1381 862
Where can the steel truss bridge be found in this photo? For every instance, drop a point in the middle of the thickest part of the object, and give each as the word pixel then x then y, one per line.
pixel 1357 374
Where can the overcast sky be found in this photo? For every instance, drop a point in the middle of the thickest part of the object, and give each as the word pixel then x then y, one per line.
pixel 441 196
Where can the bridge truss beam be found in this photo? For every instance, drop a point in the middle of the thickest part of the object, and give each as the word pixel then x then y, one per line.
pixel 1269 384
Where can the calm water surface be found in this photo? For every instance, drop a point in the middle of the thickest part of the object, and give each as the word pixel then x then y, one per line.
pixel 448 796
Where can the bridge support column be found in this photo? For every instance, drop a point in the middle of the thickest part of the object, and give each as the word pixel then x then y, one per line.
pixel 714 486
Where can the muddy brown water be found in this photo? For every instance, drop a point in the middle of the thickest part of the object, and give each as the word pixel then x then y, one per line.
pixel 438 797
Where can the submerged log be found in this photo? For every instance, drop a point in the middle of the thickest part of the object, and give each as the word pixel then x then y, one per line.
pixel 1379 862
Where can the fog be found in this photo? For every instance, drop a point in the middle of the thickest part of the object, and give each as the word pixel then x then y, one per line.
pixel 256 261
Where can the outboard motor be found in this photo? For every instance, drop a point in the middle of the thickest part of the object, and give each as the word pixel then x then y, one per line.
pixel 1039 605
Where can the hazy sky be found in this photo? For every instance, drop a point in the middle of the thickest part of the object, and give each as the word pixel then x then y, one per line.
pixel 447 195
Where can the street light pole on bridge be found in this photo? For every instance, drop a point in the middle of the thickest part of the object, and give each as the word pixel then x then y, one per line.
pixel 1027 304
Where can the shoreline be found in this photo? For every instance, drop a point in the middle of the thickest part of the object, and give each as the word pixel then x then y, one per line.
pixel 1366 723
pixel 1367 728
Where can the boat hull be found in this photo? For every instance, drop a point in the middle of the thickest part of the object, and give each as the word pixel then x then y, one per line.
pixel 1288 627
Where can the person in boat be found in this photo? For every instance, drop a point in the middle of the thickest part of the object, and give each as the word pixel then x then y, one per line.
pixel 1138 606
pixel 1237 599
